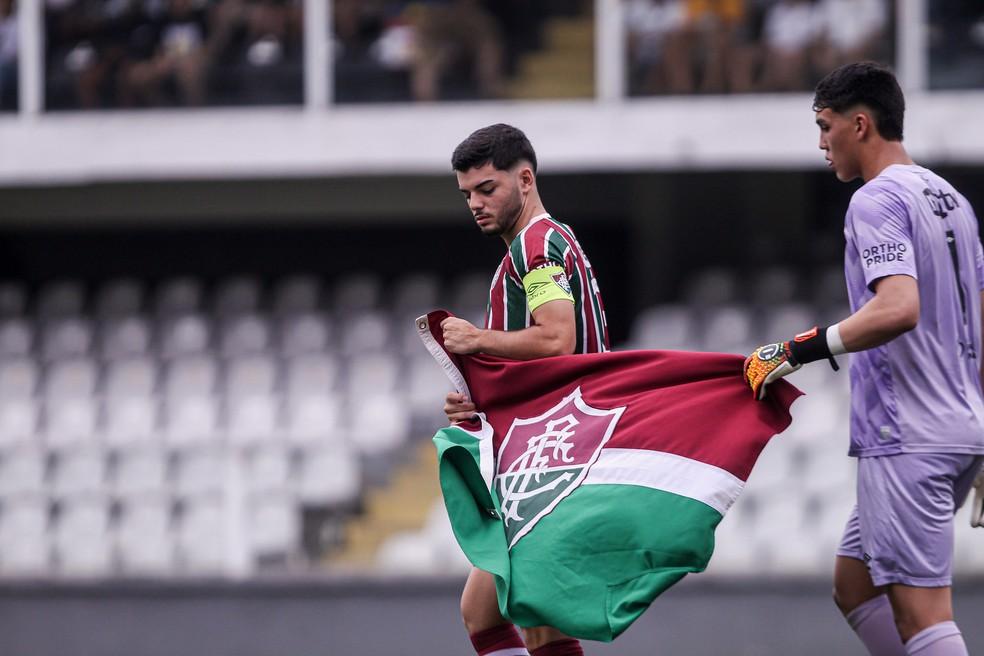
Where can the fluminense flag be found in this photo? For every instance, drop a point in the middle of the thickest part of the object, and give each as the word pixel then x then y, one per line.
pixel 589 484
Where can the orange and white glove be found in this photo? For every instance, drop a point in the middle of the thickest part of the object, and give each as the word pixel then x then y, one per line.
pixel 771 362
pixel 768 364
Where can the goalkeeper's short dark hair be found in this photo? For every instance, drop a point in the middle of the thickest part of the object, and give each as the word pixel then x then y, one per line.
pixel 502 145
pixel 864 83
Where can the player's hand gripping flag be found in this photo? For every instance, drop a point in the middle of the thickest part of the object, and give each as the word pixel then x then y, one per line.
pixel 768 364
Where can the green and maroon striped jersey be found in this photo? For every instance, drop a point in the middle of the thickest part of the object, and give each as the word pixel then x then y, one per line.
pixel 546 243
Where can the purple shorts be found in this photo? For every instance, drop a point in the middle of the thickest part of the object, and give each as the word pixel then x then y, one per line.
pixel 902 525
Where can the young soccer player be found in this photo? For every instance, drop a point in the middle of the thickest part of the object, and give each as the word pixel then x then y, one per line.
pixel 915 275
pixel 544 301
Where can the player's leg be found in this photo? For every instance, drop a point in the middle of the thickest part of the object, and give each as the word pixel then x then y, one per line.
pixel 490 633
pixel 865 606
pixel 548 641
pixel 907 535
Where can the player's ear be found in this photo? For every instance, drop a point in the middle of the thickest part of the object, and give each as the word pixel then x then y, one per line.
pixel 526 177
pixel 862 125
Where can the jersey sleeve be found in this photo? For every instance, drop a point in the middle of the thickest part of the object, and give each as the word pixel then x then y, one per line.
pixel 543 262
pixel 882 235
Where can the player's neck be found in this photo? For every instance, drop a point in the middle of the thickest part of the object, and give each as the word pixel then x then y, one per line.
pixel 889 153
pixel 532 209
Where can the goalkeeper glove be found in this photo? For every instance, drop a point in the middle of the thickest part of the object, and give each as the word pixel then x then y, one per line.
pixel 771 362
pixel 977 508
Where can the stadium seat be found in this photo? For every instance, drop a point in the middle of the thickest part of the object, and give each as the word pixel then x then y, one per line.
pixel 22 472
pixel 711 288
pixel 299 294
pixel 179 296
pixel 314 418
pixel 774 285
pixel 124 337
pixel 200 471
pixel 372 374
pixel 201 537
pixel 470 294
pixel 61 298
pixel 250 375
pixel 311 375
pixel 304 333
pixel 191 420
pixel 119 298
pixel 18 378
pixel 426 385
pixel 252 419
pixel 140 471
pixel 244 334
pixel 190 376
pixel 18 422
pixel 130 420
pixel 384 427
pixel 728 329
pixel 66 338
pixel 268 469
pixel 357 292
pixel 81 538
pixel 416 294
pixel 786 321
pixel 143 536
pixel 24 547
pixel 13 299
pixel 274 525
pixel 328 475
pixel 71 378
pixel 364 332
pixel 664 327
pixel 70 422
pixel 239 295
pixel 16 337
pixel 189 334
pixel 78 473
pixel 133 376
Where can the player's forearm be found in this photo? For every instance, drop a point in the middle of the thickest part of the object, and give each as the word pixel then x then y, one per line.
pixel 527 344
pixel 877 322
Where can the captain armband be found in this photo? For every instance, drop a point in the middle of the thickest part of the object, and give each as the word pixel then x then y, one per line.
pixel 548 283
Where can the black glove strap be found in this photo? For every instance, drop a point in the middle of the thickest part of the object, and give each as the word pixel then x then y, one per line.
pixel 812 346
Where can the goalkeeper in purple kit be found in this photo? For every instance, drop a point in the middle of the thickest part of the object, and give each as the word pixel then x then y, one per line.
pixel 915 274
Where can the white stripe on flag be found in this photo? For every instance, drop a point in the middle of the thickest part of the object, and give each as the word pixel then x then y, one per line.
pixel 509 651
pixel 668 472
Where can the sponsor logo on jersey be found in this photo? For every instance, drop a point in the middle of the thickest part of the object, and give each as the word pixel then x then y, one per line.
pixel 543 459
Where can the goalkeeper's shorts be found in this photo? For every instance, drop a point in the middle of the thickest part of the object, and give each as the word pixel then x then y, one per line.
pixel 902 525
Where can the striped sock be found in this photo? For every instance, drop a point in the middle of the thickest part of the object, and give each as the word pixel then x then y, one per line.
pixel 565 647
pixel 502 640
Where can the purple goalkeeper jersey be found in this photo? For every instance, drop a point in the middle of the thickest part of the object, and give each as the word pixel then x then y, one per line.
pixel 921 391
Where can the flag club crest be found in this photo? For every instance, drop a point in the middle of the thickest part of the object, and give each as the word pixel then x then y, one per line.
pixel 543 459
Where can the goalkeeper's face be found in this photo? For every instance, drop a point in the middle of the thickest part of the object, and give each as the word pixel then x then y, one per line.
pixel 494 197
pixel 839 139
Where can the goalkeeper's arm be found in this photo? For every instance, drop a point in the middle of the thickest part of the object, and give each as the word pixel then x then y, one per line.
pixel 892 311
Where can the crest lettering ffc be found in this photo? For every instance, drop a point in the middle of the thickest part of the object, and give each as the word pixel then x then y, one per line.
pixel 561 280
pixel 544 459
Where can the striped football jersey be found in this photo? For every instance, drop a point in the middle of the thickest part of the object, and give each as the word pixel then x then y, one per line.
pixel 546 243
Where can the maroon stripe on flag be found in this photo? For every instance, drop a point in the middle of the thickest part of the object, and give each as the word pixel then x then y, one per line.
pixel 695 405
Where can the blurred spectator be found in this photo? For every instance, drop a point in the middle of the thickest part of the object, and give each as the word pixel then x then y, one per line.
pixel 455 37
pixel 852 30
pixel 8 55
pixel 150 53
pixel 175 65
pixel 792 28
pixel 656 45
pixel 739 46
pixel 956 44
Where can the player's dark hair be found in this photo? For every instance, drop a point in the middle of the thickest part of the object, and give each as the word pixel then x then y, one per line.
pixel 864 83
pixel 501 144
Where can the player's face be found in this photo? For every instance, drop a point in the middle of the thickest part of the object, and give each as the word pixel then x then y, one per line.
pixel 493 196
pixel 838 139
